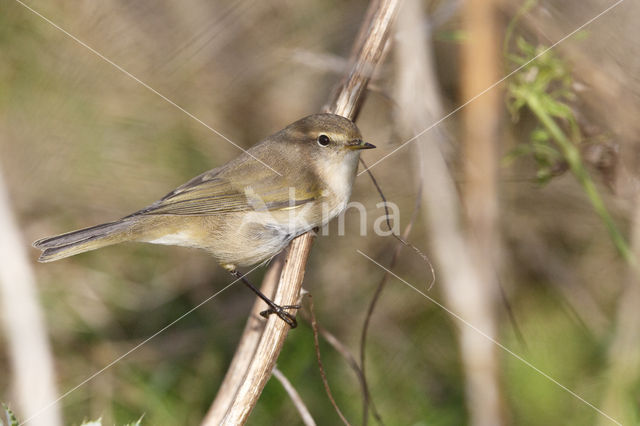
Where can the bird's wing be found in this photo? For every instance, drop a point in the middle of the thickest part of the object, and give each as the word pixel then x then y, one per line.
pixel 213 193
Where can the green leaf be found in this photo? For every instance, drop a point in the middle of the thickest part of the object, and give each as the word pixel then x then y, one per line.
pixel 517 152
pixel 525 46
pixel 544 151
pixel 544 175
pixel 540 135
pixel 555 108
pixel 518 60
pixel 8 416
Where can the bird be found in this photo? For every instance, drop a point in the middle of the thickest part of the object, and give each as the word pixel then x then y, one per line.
pixel 248 210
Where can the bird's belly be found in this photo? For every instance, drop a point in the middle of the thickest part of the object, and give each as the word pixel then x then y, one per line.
pixel 180 238
pixel 246 238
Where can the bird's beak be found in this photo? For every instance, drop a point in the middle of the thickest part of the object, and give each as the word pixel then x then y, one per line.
pixel 359 144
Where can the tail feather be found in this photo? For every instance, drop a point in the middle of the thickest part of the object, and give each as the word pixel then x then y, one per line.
pixel 80 241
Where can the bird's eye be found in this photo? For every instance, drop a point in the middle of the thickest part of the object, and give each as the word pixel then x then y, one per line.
pixel 323 140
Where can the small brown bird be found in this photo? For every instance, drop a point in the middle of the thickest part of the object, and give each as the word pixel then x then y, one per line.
pixel 248 210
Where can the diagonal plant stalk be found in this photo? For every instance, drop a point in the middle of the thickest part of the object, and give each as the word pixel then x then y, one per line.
pixel 542 87
pixel 242 390
pixel 574 160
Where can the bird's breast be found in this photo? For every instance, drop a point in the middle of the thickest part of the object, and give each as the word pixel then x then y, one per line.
pixel 338 178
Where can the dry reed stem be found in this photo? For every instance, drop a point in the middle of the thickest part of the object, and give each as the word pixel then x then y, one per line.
pixel 246 347
pixel 481 67
pixel 372 38
pixel 264 359
pixel 460 279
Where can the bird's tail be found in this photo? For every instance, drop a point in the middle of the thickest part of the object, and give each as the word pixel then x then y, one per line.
pixel 72 243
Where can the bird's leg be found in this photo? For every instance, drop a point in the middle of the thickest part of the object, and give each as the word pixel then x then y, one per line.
pixel 273 307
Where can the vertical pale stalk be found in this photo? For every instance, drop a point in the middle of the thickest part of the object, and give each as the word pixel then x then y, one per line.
pixel 246 388
pixel 480 68
pixel 458 275
pixel 30 356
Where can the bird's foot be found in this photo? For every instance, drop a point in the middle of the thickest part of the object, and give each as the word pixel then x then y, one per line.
pixel 282 313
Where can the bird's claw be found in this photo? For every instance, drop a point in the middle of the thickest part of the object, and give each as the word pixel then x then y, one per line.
pixel 282 314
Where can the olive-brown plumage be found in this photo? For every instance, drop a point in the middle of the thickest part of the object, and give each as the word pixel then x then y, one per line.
pixel 243 212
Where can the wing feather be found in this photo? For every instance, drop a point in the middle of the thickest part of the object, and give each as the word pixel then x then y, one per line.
pixel 213 193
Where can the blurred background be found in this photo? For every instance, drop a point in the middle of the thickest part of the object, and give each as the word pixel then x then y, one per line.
pixel 548 236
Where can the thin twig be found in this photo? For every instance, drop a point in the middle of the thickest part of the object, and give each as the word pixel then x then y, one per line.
pixel 323 374
pixel 372 305
pixel 351 361
pixel 344 352
pixel 400 239
pixel 295 397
